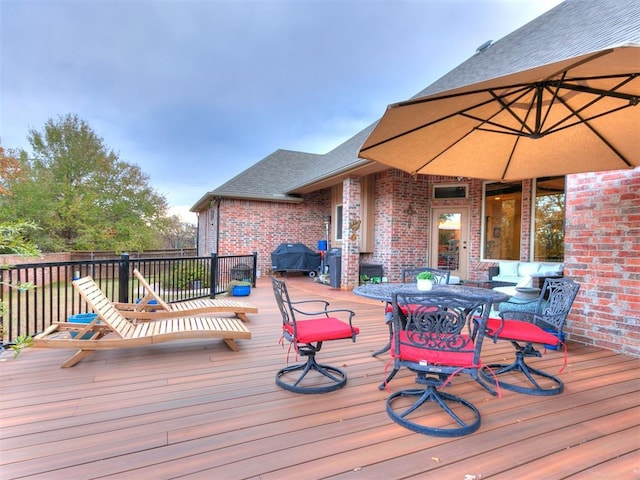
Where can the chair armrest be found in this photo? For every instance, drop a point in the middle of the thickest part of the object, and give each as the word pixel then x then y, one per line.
pixel 323 302
pixel 349 313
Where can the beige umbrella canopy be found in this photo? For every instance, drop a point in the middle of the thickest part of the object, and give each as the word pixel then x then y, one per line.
pixel 576 115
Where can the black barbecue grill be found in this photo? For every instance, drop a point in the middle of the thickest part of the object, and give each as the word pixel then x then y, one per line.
pixel 295 257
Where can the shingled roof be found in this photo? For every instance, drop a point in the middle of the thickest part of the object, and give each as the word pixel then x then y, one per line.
pixel 269 179
pixel 572 28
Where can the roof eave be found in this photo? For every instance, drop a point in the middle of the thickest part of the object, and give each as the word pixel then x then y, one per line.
pixel 206 200
pixel 361 167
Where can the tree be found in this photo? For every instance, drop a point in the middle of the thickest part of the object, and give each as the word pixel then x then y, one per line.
pixel 10 169
pixel 13 240
pixel 179 234
pixel 81 195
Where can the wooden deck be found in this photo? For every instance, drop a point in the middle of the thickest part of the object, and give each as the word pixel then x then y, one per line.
pixel 196 410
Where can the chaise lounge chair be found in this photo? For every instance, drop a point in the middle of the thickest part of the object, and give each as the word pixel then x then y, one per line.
pixel 202 306
pixel 125 334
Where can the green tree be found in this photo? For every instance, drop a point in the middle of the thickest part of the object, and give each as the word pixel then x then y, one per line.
pixel 81 195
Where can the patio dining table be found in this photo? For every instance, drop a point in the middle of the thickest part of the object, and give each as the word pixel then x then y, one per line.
pixel 385 291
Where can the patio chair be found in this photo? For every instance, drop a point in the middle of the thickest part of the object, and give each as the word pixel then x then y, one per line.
pixel 111 330
pixel 152 301
pixel 409 276
pixel 524 328
pixel 307 336
pixel 440 338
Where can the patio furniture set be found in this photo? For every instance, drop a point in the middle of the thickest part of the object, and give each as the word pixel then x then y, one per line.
pixel 437 334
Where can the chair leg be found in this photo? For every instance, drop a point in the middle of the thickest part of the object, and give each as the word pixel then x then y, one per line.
pixel 532 375
pixel 337 377
pixel 384 384
pixel 387 347
pixel 442 400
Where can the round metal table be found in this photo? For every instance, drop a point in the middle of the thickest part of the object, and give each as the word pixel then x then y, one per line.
pixel 385 291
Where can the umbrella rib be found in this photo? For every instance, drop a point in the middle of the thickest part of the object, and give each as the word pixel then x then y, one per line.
pixel 613 92
pixel 425 125
pixel 482 121
pixel 504 129
pixel 586 123
pixel 508 163
pixel 507 107
pixel 634 100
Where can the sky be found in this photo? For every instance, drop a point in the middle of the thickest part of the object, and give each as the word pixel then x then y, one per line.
pixel 196 91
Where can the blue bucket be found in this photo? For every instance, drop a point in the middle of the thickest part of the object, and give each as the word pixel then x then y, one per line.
pixel 241 290
pixel 82 318
pixel 150 302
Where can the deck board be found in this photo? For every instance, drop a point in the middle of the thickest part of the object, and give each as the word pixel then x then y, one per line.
pixel 194 409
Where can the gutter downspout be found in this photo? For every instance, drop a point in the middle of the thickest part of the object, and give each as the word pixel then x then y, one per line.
pixel 219 201
pixel 198 235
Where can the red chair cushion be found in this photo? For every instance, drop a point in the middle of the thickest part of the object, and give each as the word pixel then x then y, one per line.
pixel 321 329
pixel 519 330
pixel 411 353
pixel 404 308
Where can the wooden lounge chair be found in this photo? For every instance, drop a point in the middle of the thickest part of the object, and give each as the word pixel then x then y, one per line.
pixel 202 306
pixel 111 330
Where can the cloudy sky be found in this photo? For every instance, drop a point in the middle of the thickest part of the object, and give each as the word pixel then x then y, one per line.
pixel 196 91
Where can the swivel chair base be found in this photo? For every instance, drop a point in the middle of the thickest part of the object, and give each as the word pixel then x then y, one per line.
pixel 337 377
pixel 442 400
pixel 534 376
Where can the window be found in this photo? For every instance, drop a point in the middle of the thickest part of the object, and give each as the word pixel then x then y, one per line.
pixel 338 222
pixel 449 191
pixel 548 239
pixel 503 220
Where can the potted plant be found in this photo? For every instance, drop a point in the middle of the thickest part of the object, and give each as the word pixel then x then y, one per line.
pixel 425 280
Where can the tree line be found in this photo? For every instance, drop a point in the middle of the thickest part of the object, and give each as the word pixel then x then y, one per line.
pixel 72 192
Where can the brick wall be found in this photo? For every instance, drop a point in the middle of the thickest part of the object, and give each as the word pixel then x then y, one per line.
pixel 602 253
pixel 257 226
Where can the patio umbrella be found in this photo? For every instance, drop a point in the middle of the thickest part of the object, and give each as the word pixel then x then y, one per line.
pixel 576 115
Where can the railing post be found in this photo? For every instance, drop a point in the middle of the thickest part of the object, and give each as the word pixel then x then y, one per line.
pixel 214 275
pixel 123 278
pixel 255 268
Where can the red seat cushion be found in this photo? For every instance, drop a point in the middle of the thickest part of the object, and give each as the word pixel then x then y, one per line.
pixel 520 330
pixel 321 329
pixel 415 354
pixel 405 308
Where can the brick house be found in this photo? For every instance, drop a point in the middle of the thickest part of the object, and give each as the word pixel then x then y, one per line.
pixel 382 216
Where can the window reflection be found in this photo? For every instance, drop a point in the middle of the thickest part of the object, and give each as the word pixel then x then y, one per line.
pixel 549 220
pixel 503 220
pixel 449 241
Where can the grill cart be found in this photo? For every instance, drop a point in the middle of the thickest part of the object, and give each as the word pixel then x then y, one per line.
pixel 295 257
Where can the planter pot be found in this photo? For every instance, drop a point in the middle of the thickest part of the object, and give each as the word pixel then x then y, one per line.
pixel 424 285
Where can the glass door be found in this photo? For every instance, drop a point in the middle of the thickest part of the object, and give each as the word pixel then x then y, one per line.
pixel 449 240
